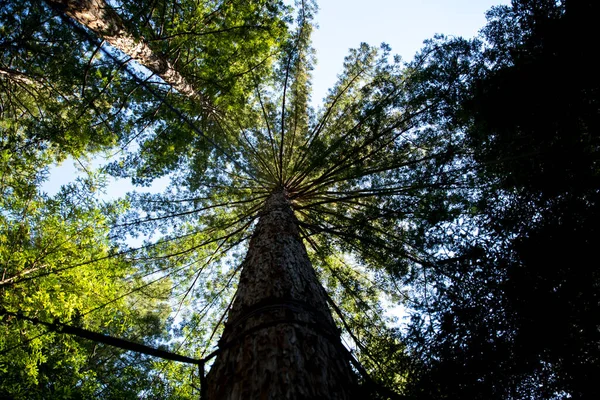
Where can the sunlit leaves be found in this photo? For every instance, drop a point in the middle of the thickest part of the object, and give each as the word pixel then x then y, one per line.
pixel 53 96
pixel 58 264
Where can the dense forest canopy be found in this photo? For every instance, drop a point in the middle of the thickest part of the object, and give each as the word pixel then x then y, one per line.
pixel 462 185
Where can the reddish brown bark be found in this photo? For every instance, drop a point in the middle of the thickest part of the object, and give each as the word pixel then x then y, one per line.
pixel 280 341
pixel 97 16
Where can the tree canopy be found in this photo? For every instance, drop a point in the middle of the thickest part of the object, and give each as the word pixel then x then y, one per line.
pixel 461 185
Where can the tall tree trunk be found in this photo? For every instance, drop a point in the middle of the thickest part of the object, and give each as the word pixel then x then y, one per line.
pixel 100 18
pixel 280 341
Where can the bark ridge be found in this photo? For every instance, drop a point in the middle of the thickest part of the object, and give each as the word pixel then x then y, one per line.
pixel 280 341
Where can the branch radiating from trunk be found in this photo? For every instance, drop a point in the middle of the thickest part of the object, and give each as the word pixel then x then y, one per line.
pixel 279 341
pixel 101 19
pixel 15 76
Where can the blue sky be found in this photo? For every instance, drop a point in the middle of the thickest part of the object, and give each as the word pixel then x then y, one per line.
pixel 344 24
pixel 403 24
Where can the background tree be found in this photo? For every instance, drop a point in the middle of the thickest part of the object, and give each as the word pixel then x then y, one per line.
pixel 58 264
pixel 513 313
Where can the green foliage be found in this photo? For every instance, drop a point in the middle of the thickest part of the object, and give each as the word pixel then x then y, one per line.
pixel 54 97
pixel 58 264
pixel 222 48
pixel 438 184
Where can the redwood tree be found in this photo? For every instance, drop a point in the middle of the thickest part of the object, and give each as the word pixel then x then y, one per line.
pixel 280 340
pixel 259 153
pixel 285 226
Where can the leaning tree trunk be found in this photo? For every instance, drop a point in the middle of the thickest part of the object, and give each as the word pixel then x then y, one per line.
pixel 280 341
pixel 100 18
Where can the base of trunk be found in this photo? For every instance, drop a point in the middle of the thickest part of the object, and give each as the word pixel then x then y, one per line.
pixel 279 341
pixel 280 360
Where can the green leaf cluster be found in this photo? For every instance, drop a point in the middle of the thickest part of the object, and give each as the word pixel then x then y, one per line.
pixel 461 185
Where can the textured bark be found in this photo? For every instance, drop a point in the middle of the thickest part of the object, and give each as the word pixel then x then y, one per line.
pixel 97 16
pixel 15 76
pixel 279 341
